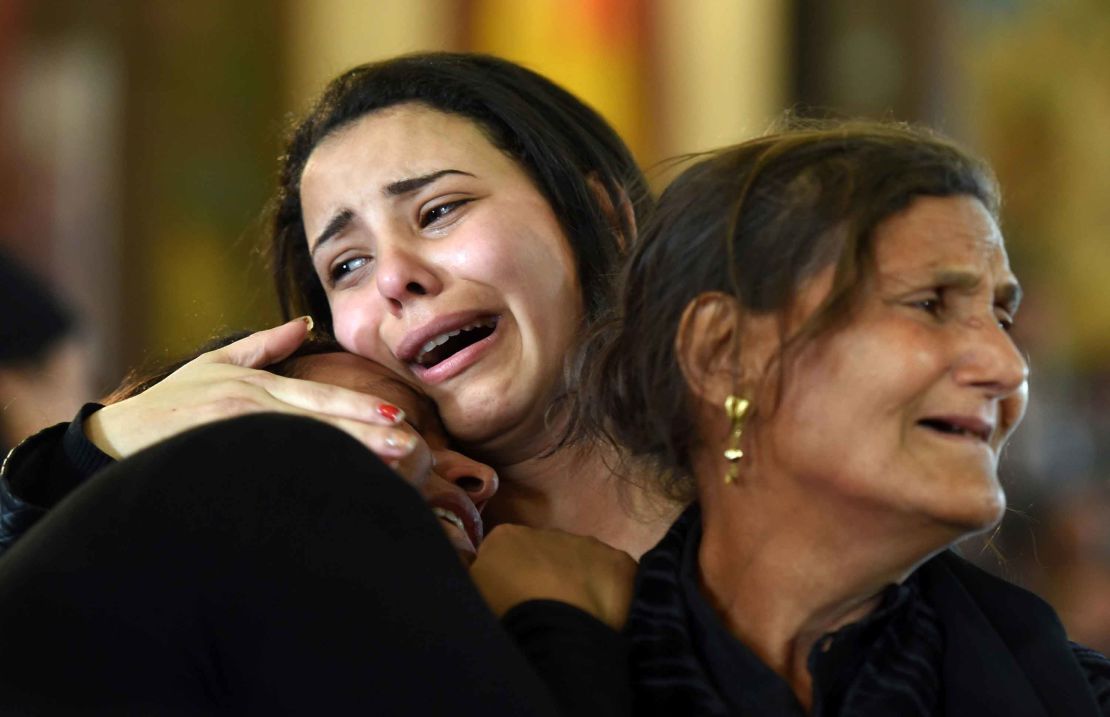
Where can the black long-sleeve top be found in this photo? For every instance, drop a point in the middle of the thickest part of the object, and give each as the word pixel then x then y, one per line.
pixel 582 661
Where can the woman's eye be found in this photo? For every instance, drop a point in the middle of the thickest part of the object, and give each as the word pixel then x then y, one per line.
pixel 930 305
pixel 1005 321
pixel 438 212
pixel 345 267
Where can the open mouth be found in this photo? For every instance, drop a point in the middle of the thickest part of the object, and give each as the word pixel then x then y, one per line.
pixel 446 345
pixel 969 430
pixel 450 517
pixel 471 531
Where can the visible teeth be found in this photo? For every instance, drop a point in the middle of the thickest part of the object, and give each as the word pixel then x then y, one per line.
pixel 450 518
pixel 438 341
pixel 443 338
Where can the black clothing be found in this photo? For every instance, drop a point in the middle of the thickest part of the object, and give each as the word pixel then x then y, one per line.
pixel 42 470
pixel 268 564
pixel 952 640
pixel 582 660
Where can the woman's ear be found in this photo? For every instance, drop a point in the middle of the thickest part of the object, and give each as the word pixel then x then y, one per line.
pixel 615 214
pixel 707 346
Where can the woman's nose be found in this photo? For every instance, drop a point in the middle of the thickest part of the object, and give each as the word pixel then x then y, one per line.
pixel 477 480
pixel 991 359
pixel 403 274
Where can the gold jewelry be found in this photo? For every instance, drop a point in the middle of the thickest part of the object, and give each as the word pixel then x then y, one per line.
pixel 737 409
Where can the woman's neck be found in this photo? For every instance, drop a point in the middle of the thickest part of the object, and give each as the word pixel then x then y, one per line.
pixel 580 490
pixel 783 576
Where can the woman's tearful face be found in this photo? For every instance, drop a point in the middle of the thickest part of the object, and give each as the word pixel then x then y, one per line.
pixel 909 404
pixel 443 261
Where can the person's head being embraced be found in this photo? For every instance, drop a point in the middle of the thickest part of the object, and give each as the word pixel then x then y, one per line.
pixel 456 489
pixel 813 341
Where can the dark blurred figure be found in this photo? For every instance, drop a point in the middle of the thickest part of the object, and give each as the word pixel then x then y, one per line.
pixel 44 368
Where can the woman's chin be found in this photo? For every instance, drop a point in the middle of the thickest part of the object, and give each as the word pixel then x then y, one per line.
pixel 976 513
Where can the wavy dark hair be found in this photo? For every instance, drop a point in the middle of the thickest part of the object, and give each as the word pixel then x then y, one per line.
pixel 753 221
pixel 566 147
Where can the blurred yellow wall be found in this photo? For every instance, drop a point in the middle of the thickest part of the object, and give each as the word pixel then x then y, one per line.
pixel 325 37
pixel 672 76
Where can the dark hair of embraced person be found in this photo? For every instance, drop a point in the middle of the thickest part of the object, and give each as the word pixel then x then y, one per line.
pixel 456 488
pixel 812 343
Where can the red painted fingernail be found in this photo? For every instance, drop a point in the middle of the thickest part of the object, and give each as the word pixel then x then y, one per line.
pixel 391 413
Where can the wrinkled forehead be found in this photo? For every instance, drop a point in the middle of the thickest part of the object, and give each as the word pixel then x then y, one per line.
pixel 369 377
pixel 944 235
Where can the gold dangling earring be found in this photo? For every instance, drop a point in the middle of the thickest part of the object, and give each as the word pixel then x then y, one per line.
pixel 737 409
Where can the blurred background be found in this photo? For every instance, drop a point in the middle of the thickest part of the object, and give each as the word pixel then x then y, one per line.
pixel 138 146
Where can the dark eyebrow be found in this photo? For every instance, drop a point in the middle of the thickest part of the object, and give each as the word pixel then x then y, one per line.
pixel 404 186
pixel 957 279
pixel 394 189
pixel 1007 295
pixel 337 224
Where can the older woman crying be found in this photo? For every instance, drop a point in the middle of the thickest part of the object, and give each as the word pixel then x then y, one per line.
pixel 813 342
